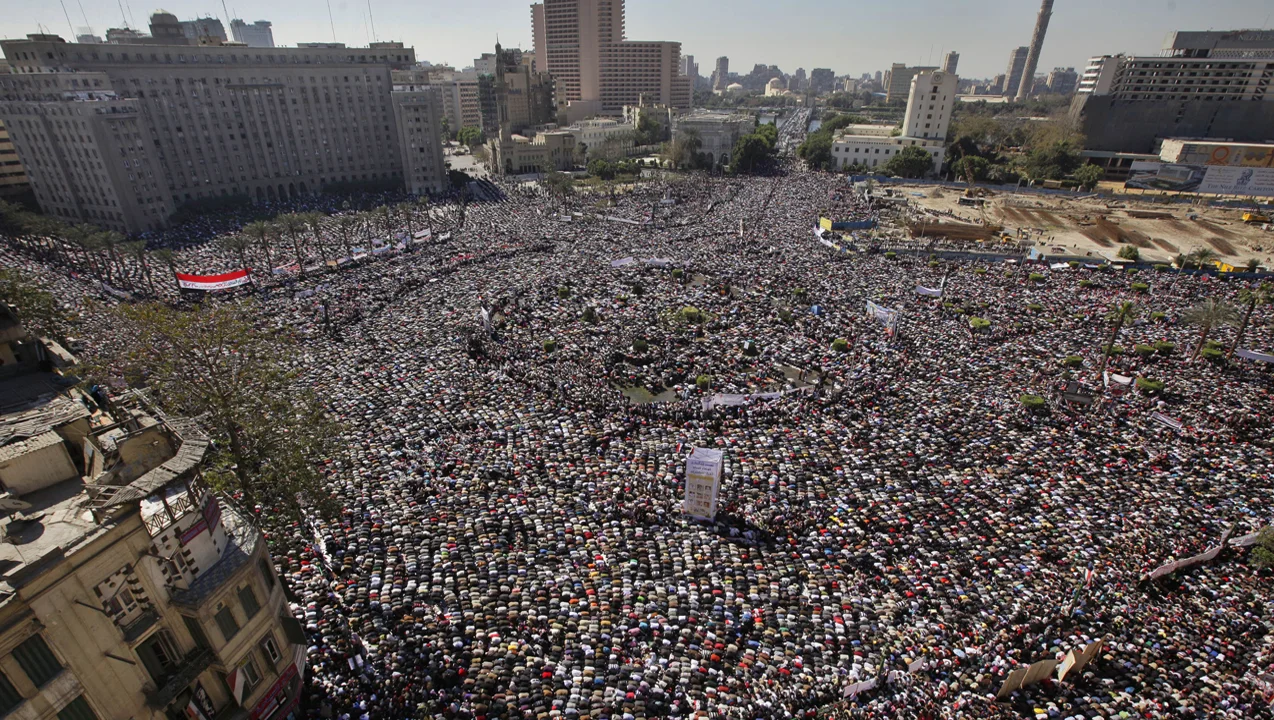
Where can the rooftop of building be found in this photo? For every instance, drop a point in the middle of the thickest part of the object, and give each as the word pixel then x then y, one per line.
pixel 242 538
pixel 32 404
pixel 57 519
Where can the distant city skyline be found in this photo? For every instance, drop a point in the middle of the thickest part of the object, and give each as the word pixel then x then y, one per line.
pixel 851 38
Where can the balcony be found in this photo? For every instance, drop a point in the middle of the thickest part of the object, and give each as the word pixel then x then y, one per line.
pixel 138 627
pixel 195 662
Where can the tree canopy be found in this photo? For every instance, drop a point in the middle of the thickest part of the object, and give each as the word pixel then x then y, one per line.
pixel 912 162
pixel 470 136
pixel 212 362
pixel 37 310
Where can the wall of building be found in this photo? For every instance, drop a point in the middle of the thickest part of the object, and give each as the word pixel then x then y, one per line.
pixel 156 127
pixel 13 177
pixel 1135 125
pixel 45 465
pixel 419 119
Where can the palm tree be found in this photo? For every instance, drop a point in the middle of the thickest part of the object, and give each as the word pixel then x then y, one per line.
pixel 111 241
pixel 168 258
pixel 292 224
pixel 1262 294
pixel 1202 257
pixel 314 220
pixel 367 220
pixel 423 202
pixel 346 225
pixel 80 236
pixel 137 248
pixel 239 245
pixel 1207 315
pixel 260 231
pixel 1119 314
pixel 408 213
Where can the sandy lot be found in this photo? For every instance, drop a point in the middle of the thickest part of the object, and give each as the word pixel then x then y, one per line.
pixel 1101 226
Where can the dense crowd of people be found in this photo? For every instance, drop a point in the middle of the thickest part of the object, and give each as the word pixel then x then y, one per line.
pixel 519 398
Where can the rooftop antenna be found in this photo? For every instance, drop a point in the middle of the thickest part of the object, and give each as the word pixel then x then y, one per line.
pixel 371 20
pixel 330 19
pixel 84 15
pixel 224 10
pixel 130 12
pixel 68 19
pixel 122 14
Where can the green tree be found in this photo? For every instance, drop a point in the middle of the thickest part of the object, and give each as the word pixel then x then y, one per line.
pixel 912 162
pixel 1263 551
pixel 293 226
pixel 1051 162
pixel 979 167
pixel 237 244
pixel 137 249
pixel 1262 294
pixel 1208 315
pixel 682 153
pixel 270 434
pixel 769 133
pixel 314 222
pixel 38 311
pixel 470 136
pixel 816 150
pixel 261 233
pixel 1130 252
pixel 1089 175
pixel 1120 314
pixel 600 168
pixel 750 152
pixel 560 185
pixel 647 132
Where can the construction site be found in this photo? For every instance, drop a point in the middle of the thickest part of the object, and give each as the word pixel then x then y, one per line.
pixel 1089 226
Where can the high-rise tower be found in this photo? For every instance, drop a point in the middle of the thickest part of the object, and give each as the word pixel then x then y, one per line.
pixel 1037 45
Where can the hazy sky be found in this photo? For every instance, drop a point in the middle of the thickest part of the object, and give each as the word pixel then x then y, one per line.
pixel 848 36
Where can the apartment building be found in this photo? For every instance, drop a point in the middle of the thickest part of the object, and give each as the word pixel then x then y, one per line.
pixel 633 69
pixel 897 81
pixel 122 135
pixel 929 106
pixel 1017 66
pixel 418 117
pixel 581 43
pixel 460 93
pixel 127 588
pixel 257 34
pixel 13 177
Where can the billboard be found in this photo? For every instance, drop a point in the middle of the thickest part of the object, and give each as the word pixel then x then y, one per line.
pixel 1259 156
pixel 1218 179
pixel 703 482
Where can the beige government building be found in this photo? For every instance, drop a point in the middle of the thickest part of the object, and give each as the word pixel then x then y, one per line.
pixel 122 135
pixel 128 590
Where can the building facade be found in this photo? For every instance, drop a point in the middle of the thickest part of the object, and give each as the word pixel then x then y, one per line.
pixel 898 81
pixel 201 28
pixel 717 132
pixel 950 62
pixel 418 117
pixel 257 34
pixel 1063 81
pixel 929 107
pixel 822 80
pixel 1017 66
pixel 721 75
pixel 604 138
pixel 120 136
pixel 130 590
pixel 1201 84
pixel 597 70
pixel 13 177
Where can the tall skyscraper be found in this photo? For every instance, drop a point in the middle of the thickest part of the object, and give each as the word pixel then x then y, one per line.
pixel 950 62
pixel 822 80
pixel 1037 46
pixel 689 68
pixel 258 34
pixel 721 76
pixel 205 27
pixel 1017 66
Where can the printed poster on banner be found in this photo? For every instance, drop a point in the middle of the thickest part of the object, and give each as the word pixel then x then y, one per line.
pixel 223 281
pixel 703 483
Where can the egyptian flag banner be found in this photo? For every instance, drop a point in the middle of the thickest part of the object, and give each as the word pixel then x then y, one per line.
pixel 234 278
